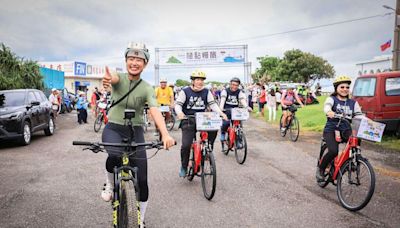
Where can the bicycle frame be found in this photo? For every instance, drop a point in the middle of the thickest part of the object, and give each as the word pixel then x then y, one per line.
pixel 198 148
pixel 353 142
pixel 232 130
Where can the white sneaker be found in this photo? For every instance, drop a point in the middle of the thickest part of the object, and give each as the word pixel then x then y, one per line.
pixel 283 129
pixel 107 192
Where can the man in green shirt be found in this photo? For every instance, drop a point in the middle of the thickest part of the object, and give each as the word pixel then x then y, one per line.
pixel 136 59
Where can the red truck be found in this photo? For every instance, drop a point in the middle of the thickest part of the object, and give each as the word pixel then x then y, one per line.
pixel 379 98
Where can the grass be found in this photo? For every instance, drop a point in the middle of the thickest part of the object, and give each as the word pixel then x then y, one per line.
pixel 312 118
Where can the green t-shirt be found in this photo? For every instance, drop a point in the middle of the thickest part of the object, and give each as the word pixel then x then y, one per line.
pixel 143 93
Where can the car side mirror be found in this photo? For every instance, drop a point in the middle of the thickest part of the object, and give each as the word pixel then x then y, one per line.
pixel 35 103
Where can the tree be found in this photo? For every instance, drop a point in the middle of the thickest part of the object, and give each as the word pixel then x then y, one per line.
pixel 298 66
pixel 182 83
pixel 267 71
pixel 17 73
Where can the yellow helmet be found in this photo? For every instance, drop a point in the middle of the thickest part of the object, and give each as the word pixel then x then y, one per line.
pixel 198 74
pixel 341 79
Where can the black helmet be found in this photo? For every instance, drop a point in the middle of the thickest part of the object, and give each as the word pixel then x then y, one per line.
pixel 235 79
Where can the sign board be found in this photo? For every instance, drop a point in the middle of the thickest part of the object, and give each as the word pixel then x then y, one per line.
pixel 240 114
pixel 80 69
pixel 202 55
pixel 208 121
pixel 370 130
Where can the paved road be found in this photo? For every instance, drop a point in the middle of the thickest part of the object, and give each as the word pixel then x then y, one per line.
pixel 50 183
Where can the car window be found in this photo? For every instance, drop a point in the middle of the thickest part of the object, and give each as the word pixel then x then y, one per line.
pixel 44 98
pixel 364 87
pixel 392 86
pixel 31 97
pixel 10 99
pixel 38 97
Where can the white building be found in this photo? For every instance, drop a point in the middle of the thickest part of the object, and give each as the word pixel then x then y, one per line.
pixel 80 75
pixel 376 65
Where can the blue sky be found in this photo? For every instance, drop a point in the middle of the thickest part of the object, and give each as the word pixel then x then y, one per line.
pixel 98 31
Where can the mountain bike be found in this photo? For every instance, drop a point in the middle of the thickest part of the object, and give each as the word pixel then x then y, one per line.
pixel 125 201
pixel 235 137
pixel 349 171
pixel 102 111
pixel 202 162
pixel 292 124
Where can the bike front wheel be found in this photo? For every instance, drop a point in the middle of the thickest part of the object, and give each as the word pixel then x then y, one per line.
pixel 294 129
pixel 170 123
pixel 98 122
pixel 208 175
pixel 128 213
pixel 355 184
pixel 240 147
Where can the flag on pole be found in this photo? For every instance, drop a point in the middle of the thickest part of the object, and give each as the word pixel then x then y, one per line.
pixel 386 45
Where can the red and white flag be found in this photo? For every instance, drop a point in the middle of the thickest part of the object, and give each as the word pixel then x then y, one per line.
pixel 386 45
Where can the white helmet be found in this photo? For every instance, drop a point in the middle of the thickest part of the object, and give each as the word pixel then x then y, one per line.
pixel 137 50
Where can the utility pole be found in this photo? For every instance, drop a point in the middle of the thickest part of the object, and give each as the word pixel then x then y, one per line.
pixel 396 50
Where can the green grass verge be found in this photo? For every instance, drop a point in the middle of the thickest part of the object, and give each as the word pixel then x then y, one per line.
pixel 312 118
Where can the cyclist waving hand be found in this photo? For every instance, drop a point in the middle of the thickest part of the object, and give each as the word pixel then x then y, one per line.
pixel 192 99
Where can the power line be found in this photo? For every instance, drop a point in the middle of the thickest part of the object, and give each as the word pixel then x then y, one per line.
pixel 304 29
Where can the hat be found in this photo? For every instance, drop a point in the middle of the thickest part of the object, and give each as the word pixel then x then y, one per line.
pixel 53 89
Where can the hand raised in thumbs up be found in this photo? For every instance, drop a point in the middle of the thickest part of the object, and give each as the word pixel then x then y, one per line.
pixel 107 78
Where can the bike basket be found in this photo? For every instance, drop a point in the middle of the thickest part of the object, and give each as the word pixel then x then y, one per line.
pixel 368 129
pixel 239 114
pixel 163 108
pixel 102 105
pixel 208 121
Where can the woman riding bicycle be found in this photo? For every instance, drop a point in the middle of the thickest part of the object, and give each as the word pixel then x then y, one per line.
pixel 192 99
pixel 230 98
pixel 287 100
pixel 136 59
pixel 338 103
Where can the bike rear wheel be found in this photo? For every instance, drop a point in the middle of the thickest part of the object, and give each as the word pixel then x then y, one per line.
pixel 240 147
pixel 128 215
pixel 170 123
pixel 280 127
pixel 294 129
pixel 98 122
pixel 208 175
pixel 355 184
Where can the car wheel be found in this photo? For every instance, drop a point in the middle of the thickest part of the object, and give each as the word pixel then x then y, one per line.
pixel 26 134
pixel 50 128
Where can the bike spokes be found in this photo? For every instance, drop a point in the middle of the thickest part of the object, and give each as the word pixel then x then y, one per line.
pixel 241 148
pixel 208 176
pixel 294 129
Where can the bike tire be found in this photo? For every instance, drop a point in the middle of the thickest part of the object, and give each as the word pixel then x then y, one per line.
pixel 323 151
pixel 170 123
pixel 122 208
pixel 344 172
pixel 227 143
pixel 190 170
pixel 241 159
pixel 294 129
pixel 283 134
pixel 208 187
pixel 98 122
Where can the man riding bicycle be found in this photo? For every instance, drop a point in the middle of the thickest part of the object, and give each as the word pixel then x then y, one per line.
pixel 192 99
pixel 165 96
pixel 287 100
pixel 338 103
pixel 230 98
pixel 136 59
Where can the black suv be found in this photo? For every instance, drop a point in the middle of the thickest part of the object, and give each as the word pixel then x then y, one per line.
pixel 23 112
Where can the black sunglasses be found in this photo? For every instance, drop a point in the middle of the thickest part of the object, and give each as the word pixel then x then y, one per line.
pixel 342 87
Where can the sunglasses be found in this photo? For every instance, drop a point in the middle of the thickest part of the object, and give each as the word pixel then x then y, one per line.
pixel 342 87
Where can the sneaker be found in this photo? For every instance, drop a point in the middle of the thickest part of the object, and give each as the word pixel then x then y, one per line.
pixel 182 172
pixel 283 129
pixel 319 175
pixel 107 192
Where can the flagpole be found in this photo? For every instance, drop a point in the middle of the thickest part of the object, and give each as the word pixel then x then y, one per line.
pixel 396 51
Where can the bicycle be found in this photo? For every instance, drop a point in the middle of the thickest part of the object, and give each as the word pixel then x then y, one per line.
pixel 235 137
pixel 202 161
pixel 346 169
pixel 170 122
pixel 101 115
pixel 292 124
pixel 125 201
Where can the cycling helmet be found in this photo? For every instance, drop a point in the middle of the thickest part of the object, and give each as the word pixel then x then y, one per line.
pixel 198 74
pixel 137 50
pixel 235 79
pixel 341 79
pixel 163 80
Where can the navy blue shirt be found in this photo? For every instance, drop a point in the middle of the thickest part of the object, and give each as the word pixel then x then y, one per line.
pixel 340 107
pixel 195 101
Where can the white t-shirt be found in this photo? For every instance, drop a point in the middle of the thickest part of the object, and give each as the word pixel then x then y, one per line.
pixel 53 99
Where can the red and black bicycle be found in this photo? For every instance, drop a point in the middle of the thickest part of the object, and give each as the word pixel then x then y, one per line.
pixel 235 138
pixel 202 163
pixel 350 172
pixel 101 115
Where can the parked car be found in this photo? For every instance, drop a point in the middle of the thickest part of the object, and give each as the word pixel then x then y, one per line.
pixel 23 112
pixel 379 98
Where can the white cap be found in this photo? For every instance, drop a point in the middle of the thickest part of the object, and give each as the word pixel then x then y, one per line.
pixel 53 89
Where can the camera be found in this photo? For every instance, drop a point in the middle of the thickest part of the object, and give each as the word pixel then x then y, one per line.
pixel 129 114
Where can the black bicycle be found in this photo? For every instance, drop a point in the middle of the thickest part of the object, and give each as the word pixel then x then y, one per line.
pixel 125 201
pixel 292 125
